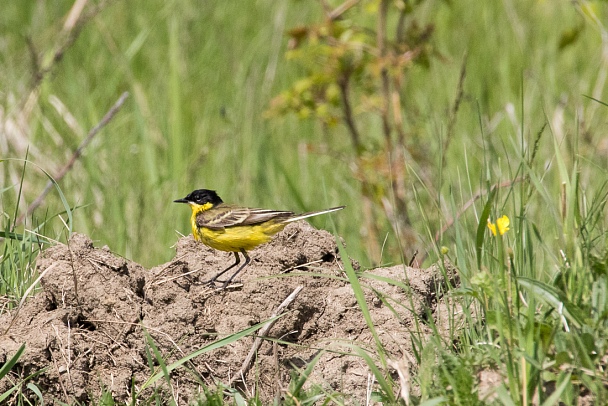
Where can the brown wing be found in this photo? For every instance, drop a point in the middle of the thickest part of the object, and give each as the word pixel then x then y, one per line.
pixel 224 216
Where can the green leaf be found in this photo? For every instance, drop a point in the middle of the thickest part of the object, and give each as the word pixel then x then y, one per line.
pixel 360 296
pixel 504 395
pixel 36 390
pixel 434 401
pixel 160 360
pixel 6 369
pixel 555 298
pixel 11 362
pixel 305 374
pixel 34 239
pixel 561 358
pixel 481 228
pixel 554 398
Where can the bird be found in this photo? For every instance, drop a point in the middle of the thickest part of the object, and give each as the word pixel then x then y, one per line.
pixel 237 229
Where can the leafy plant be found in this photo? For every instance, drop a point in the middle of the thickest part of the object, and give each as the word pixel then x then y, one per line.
pixel 356 64
pixel 6 368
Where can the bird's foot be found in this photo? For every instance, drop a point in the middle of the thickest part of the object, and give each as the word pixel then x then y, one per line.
pixel 212 283
pixel 223 284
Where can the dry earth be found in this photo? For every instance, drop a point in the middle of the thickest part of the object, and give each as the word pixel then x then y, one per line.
pixel 86 325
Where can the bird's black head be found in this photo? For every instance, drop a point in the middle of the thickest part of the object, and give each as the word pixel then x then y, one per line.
pixel 201 197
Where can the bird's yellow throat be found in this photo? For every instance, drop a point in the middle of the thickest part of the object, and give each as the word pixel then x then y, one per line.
pixel 196 209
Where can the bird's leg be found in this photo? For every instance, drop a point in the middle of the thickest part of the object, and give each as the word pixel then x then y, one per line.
pixel 238 261
pixel 247 261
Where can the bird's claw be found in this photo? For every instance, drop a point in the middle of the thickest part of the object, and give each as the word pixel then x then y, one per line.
pixel 224 284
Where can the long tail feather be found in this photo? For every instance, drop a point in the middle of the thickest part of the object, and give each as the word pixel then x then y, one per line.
pixel 312 214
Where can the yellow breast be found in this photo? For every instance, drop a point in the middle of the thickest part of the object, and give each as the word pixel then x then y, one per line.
pixel 236 238
pixel 233 238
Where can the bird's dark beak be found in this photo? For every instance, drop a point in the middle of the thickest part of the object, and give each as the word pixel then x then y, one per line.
pixel 180 201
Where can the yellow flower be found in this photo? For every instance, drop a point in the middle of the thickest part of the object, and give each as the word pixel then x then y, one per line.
pixel 502 224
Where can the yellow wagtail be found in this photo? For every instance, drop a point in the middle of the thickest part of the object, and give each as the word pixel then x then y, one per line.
pixel 232 228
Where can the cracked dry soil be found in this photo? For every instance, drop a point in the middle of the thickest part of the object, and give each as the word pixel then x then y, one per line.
pixel 85 327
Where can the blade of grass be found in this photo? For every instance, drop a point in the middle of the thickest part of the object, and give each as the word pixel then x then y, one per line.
pixel 303 377
pixel 161 362
pixel 554 398
pixel 176 118
pixel 504 396
pixel 11 362
pixel 22 237
pixel 481 228
pixel 386 386
pixel 6 368
pixel 435 401
pixel 36 391
pixel 20 191
pixel 52 182
pixel 360 296
pixel 216 344
pixel 554 298
pixel 596 100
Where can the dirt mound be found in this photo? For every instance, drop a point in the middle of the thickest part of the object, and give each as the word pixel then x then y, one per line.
pixel 86 326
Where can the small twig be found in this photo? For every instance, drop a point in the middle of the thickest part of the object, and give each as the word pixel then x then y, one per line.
pixel 74 277
pixel 74 14
pixel 35 60
pixel 455 108
pixel 155 275
pixel 386 89
pixel 400 31
pixel 104 121
pixel 263 331
pixel 413 260
pixel 277 370
pixel 172 278
pixel 341 9
pixel 301 266
pixel 65 392
pixel 72 28
pixel 343 83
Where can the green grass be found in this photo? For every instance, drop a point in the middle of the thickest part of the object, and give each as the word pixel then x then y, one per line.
pixel 20 248
pixel 201 79
pixel 201 76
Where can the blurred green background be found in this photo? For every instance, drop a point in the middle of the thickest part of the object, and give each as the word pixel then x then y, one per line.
pixel 202 76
